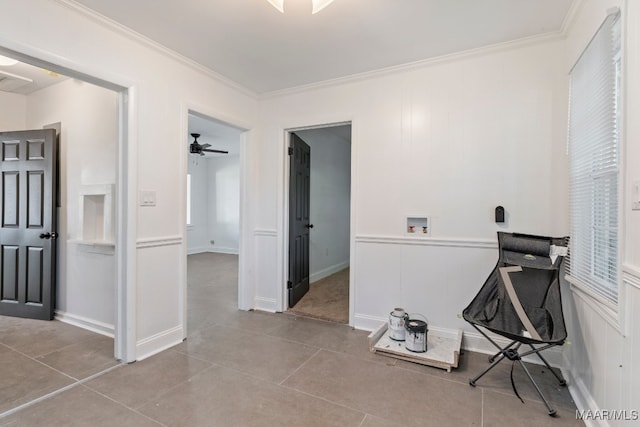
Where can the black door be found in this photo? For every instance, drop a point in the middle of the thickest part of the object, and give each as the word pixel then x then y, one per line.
pixel 28 223
pixel 299 225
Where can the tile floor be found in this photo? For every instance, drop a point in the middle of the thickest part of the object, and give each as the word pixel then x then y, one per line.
pixel 259 369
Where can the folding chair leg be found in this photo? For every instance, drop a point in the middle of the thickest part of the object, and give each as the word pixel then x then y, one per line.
pixel 552 412
pixel 472 382
pixel 560 380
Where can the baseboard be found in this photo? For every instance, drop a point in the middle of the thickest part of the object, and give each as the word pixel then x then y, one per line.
pixel 86 323
pixel 473 341
pixel 159 342
pixel 581 396
pixel 267 304
pixel 326 272
pixel 206 249
pixel 368 323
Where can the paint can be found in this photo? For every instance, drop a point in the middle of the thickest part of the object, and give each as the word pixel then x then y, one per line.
pixel 397 320
pixel 416 335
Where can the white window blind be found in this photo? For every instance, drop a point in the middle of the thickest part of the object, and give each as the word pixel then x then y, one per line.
pixel 594 154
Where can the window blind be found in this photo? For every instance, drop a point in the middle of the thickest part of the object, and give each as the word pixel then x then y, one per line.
pixel 594 156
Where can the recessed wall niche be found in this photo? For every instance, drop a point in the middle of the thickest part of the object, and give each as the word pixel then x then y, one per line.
pixel 96 214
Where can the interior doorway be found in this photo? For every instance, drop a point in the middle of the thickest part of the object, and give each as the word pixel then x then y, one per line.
pixel 319 247
pixel 88 118
pixel 212 220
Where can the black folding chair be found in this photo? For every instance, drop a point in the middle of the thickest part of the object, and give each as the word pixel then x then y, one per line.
pixel 520 300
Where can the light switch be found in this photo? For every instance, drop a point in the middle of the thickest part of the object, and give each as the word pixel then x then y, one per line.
pixel 147 198
pixel 635 201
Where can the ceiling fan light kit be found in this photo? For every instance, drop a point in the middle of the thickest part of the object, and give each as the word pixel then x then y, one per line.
pixel 317 5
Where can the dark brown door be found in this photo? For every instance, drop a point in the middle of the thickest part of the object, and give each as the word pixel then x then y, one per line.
pixel 299 225
pixel 28 223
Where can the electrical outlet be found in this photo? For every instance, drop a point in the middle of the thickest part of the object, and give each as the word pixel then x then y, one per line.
pixel 635 201
pixel 147 198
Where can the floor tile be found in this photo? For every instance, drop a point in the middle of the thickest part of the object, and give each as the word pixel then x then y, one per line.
pixel 331 336
pixel 221 396
pixel 39 337
pixel 84 358
pixel 79 407
pixel 501 410
pixel 140 382
pixel 387 392
pixel 266 357
pixel 23 379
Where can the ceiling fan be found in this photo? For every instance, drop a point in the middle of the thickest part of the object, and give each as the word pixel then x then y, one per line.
pixel 196 148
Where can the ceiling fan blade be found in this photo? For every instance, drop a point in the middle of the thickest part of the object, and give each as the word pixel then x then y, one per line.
pixel 209 150
pixel 205 145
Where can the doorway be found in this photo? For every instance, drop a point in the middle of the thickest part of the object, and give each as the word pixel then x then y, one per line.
pixel 87 118
pixel 212 220
pixel 325 264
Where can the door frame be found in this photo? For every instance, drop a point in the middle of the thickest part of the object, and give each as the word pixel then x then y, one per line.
pixel 282 297
pixel 246 287
pixel 126 183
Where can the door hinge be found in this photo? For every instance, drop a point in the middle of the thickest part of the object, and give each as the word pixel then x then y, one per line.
pixel 289 284
pixel 290 151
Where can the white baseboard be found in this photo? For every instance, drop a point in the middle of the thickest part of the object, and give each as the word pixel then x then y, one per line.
pixel 326 272
pixel 474 341
pixel 368 323
pixel 161 341
pixel 197 250
pixel 86 323
pixel 581 396
pixel 267 304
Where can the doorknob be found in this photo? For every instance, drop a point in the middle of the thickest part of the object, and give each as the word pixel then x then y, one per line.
pixel 48 235
pixel 309 226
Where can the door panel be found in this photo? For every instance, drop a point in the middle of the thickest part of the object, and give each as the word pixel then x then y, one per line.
pixel 28 228
pixel 299 206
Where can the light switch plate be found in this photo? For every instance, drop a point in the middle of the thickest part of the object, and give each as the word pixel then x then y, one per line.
pixel 147 198
pixel 635 201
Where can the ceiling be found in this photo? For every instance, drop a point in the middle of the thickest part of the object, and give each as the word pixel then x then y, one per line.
pixel 220 135
pixel 25 79
pixel 251 43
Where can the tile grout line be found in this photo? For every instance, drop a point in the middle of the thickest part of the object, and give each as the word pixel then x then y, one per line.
pixel 482 407
pixel 58 391
pixel 300 367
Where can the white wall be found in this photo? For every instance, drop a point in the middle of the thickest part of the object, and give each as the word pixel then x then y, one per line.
pixel 215 204
pixel 224 203
pixel 86 276
pixel 163 88
pixel 198 231
pixel 329 240
pixel 14 109
pixel 602 362
pixel 450 140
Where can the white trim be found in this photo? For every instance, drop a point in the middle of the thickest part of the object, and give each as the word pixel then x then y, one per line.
pixel 92 325
pixel 631 275
pixel 102 248
pixel 366 322
pixel 265 232
pixel 267 304
pixel 157 47
pixel 326 272
pixel 161 341
pixel 597 302
pixel 571 16
pixel 429 241
pixel 154 242
pixel 582 398
pixel 219 250
pixel 429 62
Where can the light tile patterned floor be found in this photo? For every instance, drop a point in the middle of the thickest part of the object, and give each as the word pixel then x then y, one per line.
pixel 260 369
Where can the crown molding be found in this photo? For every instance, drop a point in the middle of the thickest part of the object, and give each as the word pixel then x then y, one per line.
pixel 571 16
pixel 416 65
pixel 147 42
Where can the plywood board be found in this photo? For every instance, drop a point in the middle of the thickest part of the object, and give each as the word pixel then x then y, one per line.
pixel 443 350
